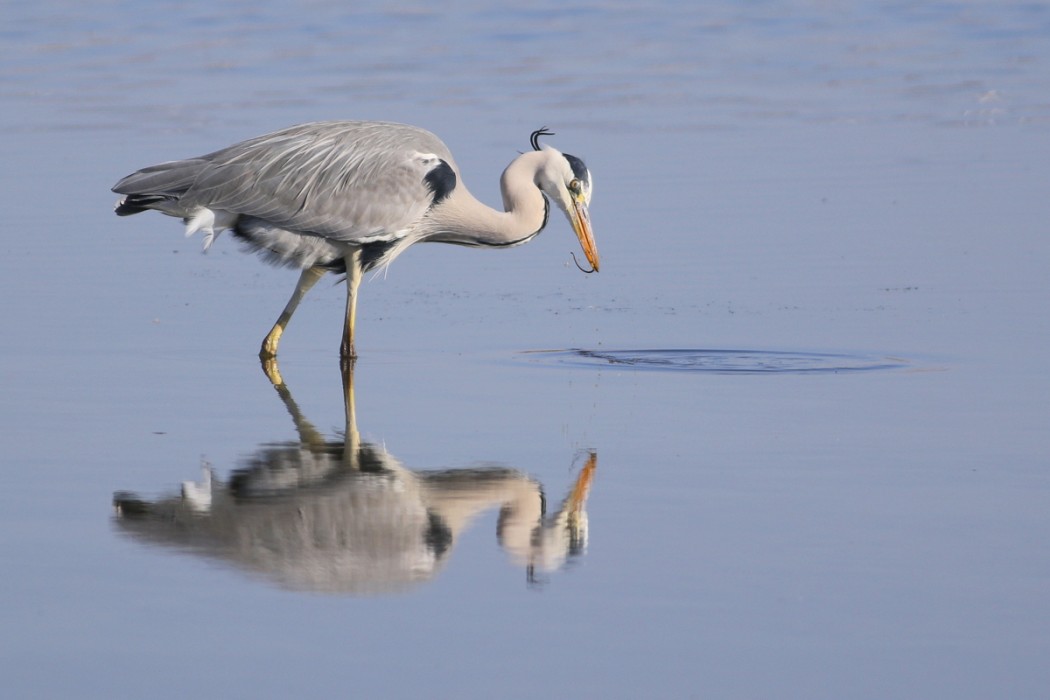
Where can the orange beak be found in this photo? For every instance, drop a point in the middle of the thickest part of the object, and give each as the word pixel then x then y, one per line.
pixel 581 223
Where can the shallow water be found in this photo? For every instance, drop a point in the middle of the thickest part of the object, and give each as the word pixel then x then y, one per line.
pixel 784 194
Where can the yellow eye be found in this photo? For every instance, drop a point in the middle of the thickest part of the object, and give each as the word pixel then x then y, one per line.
pixel 575 186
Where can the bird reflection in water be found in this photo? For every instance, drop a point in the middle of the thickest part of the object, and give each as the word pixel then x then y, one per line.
pixel 344 516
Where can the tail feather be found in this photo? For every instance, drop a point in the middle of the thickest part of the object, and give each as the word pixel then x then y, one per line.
pixel 158 187
pixel 166 178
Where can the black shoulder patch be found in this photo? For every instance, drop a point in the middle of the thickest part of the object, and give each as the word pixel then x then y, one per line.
pixel 441 181
pixel 578 168
pixel 371 255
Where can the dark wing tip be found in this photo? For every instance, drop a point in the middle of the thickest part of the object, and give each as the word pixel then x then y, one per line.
pixel 135 203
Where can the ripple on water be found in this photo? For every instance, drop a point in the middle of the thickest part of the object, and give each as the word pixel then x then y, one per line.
pixel 721 361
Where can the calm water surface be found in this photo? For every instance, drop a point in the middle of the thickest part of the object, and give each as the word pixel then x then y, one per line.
pixel 514 506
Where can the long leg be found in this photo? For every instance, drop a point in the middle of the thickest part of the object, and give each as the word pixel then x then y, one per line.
pixel 306 280
pixel 353 280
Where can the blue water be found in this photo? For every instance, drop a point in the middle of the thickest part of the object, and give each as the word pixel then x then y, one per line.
pixel 829 186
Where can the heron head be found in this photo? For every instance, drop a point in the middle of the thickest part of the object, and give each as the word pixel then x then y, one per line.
pixel 565 179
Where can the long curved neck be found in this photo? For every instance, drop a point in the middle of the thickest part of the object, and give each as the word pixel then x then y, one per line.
pixel 463 220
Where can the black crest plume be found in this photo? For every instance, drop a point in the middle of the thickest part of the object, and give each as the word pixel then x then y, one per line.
pixel 535 138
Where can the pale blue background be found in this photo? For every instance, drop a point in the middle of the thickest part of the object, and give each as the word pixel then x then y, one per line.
pixel 775 176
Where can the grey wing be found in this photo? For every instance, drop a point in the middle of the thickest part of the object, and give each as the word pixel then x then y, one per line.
pixel 347 181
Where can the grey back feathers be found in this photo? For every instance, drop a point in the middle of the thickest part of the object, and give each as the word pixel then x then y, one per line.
pixel 292 179
pixel 296 194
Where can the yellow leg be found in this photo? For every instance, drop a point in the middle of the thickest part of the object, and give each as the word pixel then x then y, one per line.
pixel 307 280
pixel 353 280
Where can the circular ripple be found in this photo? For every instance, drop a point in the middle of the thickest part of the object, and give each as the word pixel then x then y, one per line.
pixel 722 361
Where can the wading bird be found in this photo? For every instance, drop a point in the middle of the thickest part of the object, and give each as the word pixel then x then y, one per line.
pixel 349 196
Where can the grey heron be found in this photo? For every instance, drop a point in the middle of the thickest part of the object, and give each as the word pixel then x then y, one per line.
pixel 350 196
